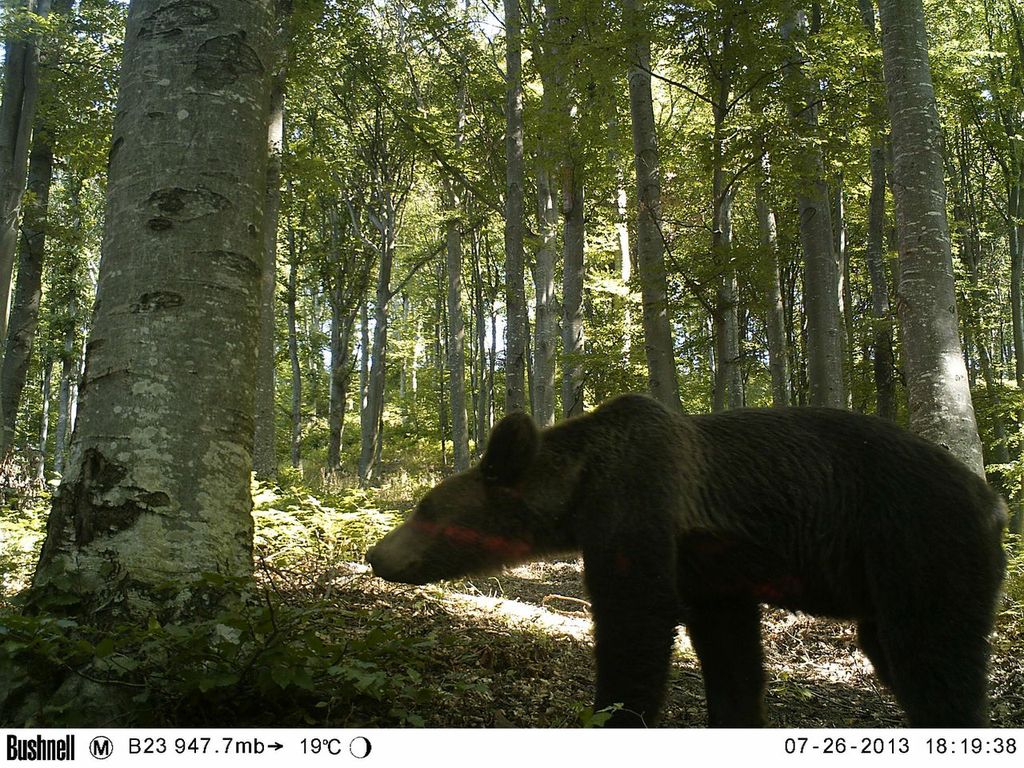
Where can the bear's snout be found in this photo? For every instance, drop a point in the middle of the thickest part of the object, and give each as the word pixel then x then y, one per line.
pixel 373 559
pixel 391 562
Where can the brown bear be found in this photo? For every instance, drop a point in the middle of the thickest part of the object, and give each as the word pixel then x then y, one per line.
pixel 698 520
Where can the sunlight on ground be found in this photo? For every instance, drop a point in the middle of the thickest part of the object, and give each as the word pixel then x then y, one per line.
pixel 557 614
pixel 519 614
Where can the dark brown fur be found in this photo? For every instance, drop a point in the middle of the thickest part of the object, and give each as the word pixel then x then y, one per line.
pixel 699 520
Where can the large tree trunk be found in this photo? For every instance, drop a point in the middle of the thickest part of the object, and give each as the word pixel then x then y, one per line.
pixel 821 280
pixel 650 248
pixel 17 115
pixel 515 294
pixel 456 319
pixel 939 397
pixel 364 360
pixel 21 332
pixel 157 484
pixel 623 255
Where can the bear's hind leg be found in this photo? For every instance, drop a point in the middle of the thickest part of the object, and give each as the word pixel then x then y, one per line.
pixel 727 639
pixel 938 671
pixel 867 639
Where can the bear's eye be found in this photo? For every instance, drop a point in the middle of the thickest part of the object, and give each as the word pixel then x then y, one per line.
pixel 426 511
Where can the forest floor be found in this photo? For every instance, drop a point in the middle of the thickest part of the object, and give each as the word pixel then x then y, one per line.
pixel 323 642
pixel 525 636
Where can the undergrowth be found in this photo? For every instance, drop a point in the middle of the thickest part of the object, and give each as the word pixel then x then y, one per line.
pixel 314 640
pixel 295 651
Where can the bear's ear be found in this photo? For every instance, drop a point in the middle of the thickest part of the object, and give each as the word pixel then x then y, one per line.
pixel 510 451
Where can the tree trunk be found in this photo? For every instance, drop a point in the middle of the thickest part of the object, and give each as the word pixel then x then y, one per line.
pixel 515 296
pixel 157 487
pixel 24 320
pixel 485 383
pixel 456 343
pixel 1015 207
pixel 623 263
pixel 264 455
pixel 313 353
pixel 881 313
pixel 845 287
pixel 44 421
pixel 658 346
pixel 364 357
pixel 728 392
pixel 939 398
pixel 439 358
pixel 371 439
pixel 70 363
pixel 546 323
pixel 342 323
pixel 17 115
pixel 573 278
pixel 65 396
pixel 729 373
pixel 821 280
pixel 291 300
pixel 623 256
pixel 775 321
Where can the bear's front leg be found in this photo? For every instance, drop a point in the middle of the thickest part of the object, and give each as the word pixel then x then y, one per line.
pixel 727 638
pixel 632 669
pixel 635 619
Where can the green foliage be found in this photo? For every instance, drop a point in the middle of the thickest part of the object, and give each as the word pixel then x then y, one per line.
pixel 286 651
pixel 22 527
pixel 1015 579
pixel 293 526
pixel 588 718
pixel 254 664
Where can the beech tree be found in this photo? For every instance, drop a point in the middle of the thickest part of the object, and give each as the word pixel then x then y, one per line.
pixel 661 370
pixel 937 385
pixel 515 299
pixel 821 280
pixel 17 112
pixel 157 484
pixel 264 453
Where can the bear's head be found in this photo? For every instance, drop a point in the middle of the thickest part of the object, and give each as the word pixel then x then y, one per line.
pixel 501 512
